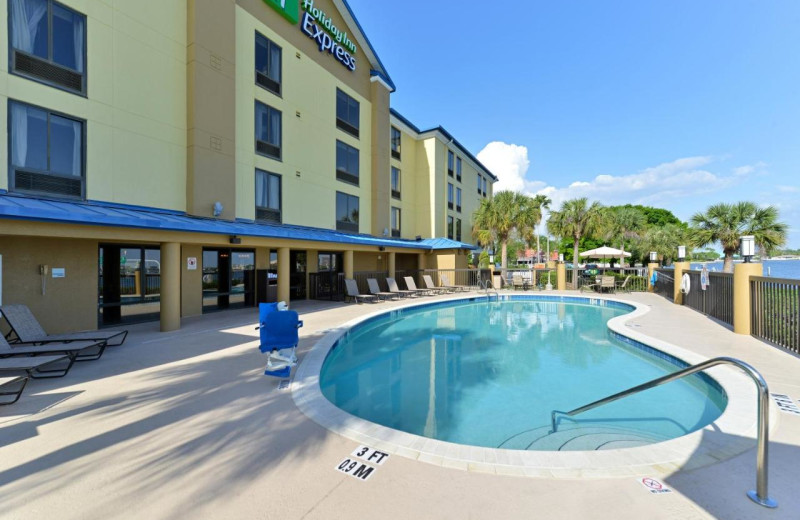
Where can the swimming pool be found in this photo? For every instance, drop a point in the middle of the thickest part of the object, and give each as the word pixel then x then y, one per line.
pixel 489 375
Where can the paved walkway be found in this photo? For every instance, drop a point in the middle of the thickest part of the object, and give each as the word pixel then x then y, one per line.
pixel 184 425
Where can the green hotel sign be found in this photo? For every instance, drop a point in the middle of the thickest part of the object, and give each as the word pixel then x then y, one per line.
pixel 289 9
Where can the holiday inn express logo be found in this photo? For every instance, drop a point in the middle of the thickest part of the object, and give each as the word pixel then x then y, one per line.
pixel 289 9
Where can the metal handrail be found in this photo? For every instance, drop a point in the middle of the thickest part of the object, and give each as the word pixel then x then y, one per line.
pixel 486 285
pixel 760 495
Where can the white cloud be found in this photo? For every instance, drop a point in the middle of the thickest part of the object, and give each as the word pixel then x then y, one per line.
pixel 509 162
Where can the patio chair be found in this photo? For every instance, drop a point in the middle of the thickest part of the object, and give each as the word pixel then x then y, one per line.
pixel 393 288
pixel 375 290
pixel 446 283
pixel 623 287
pixel 411 286
pixel 608 283
pixel 278 333
pixel 73 351
pixel 35 365
pixel 517 280
pixel 352 292
pixel 25 328
pixel 11 389
pixel 432 286
pixel 593 286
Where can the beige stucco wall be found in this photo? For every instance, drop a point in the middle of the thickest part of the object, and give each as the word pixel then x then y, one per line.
pixel 136 100
pixel 191 281
pixel 69 303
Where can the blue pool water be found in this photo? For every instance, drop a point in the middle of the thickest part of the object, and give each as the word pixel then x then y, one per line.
pixel 489 374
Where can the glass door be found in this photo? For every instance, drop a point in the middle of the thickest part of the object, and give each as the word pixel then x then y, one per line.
pixel 228 279
pixel 129 284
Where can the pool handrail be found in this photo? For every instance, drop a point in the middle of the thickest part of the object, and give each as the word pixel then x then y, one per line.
pixel 488 287
pixel 760 495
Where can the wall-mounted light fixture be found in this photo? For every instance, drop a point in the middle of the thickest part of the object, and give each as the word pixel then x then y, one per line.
pixel 218 209
pixel 747 247
pixel 235 240
pixel 681 253
pixel 653 257
pixel 381 248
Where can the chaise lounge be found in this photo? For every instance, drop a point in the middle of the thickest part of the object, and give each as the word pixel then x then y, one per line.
pixel 375 290
pixel 11 388
pixel 352 292
pixel 394 289
pixel 25 328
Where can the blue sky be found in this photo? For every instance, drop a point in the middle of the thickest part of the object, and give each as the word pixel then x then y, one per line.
pixel 676 104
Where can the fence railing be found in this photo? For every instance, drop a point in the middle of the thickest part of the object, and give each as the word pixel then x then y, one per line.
pixel 463 277
pixel 775 304
pixel 636 278
pixel 717 298
pixel 665 283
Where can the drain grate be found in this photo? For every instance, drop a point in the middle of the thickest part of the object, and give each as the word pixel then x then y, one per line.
pixel 786 404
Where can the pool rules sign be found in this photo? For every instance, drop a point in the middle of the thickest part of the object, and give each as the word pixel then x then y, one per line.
pixel 362 463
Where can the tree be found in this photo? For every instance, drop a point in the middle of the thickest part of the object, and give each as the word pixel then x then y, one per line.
pixel 658 217
pixel 664 241
pixel 726 223
pixel 623 223
pixel 506 212
pixel 544 203
pixel 576 219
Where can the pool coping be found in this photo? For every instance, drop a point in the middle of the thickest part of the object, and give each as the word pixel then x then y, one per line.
pixel 734 432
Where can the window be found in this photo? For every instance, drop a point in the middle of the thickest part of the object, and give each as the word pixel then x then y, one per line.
pixel 484 186
pixel 458 229
pixel 395 183
pixel 396 143
pixel 346 212
pixel 48 43
pixel 480 182
pixel 450 228
pixel 268 197
pixel 346 163
pixel 458 200
pixel 347 113
pixel 268 131
pixel 47 152
pixel 450 159
pixel 268 64
pixel 449 196
pixel 458 169
pixel 396 222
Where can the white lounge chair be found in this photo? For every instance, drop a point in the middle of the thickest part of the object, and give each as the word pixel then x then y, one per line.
pixel 446 283
pixel 394 289
pixel 411 286
pixel 352 292
pixel 375 290
pixel 432 286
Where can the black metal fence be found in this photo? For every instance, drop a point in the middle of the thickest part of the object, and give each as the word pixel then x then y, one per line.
pixel 665 283
pixel 326 285
pixel 775 306
pixel 716 300
pixel 631 279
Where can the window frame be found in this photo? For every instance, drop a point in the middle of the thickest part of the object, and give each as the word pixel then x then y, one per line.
pixel 396 135
pixel 484 186
pixel 450 195
pixel 451 158
pixel 458 229
pixel 49 60
pixel 278 157
pixel 269 174
pixel 396 193
pixel 396 232
pixel 279 81
pixel 458 199
pixel 480 182
pixel 346 126
pixel 344 175
pixel 450 224
pixel 13 169
pixel 342 225
pixel 458 169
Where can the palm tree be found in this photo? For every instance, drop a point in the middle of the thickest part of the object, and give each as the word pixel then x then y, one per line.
pixel 726 223
pixel 664 241
pixel 497 218
pixel 543 201
pixel 623 224
pixel 576 219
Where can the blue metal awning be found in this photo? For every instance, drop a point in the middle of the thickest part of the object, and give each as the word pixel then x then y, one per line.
pixel 115 215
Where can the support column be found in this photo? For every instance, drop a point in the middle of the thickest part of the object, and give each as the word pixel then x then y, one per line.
pixel 348 264
pixel 420 260
pixel 170 286
pixel 651 268
pixel 283 274
pixel 742 311
pixel 561 276
pixel 677 295
pixel 392 264
pixel 312 266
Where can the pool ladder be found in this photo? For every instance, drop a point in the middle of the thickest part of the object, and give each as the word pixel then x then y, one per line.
pixel 759 495
pixel 488 288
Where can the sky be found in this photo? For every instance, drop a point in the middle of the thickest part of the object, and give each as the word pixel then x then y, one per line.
pixel 677 104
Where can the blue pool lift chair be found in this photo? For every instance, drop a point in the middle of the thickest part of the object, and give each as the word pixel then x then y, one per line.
pixel 279 337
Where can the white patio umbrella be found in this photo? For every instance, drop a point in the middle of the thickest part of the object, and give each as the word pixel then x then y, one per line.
pixel 605 253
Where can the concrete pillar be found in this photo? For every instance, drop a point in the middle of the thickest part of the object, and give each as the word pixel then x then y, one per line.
pixel 348 264
pixel 170 286
pixel 650 270
pixel 741 295
pixel 677 295
pixel 420 260
pixel 283 274
pixel 392 264
pixel 561 277
pixel 312 266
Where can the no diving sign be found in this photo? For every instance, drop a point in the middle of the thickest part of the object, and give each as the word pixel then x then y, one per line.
pixel 654 486
pixel 356 468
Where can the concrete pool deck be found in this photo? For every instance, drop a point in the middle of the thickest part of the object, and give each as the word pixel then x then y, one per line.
pixel 184 424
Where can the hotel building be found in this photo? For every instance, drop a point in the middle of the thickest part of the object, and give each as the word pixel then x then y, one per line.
pixel 167 158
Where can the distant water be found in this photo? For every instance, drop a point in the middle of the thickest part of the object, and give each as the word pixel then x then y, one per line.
pixel 774 268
